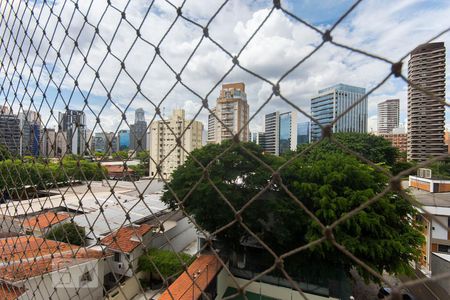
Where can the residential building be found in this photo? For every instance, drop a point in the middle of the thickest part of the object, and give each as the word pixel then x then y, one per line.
pixel 272 133
pixel 398 137
pixel 303 133
pixel 39 224
pixel 165 151
pixel 30 133
pixel 73 124
pixel 233 112
pixel 388 115
pixel 447 140
pixel 258 138
pixel 49 142
pixel 43 269
pixel 124 139
pixel 138 132
pixel 10 131
pixel 333 101
pixel 426 114
pixel 61 144
pixel 280 132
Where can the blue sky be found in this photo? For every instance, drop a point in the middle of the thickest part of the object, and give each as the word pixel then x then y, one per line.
pixel 382 27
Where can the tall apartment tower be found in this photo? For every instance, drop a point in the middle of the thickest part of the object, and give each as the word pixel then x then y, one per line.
pixel 331 102
pixel 73 124
pixel 388 115
pixel 426 115
pixel 164 151
pixel 233 110
pixel 9 130
pixel 280 132
pixel 138 131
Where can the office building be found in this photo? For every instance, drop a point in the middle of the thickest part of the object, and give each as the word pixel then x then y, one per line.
pixel 233 111
pixel 49 143
pixel 61 144
pixel 30 133
pixel 303 130
pixel 388 115
pixel 280 132
pixel 398 137
pixel 73 124
pixel 124 139
pixel 164 151
pixel 332 102
pixel 138 132
pixel 258 138
pixel 447 140
pixel 426 114
pixel 105 143
pixel 10 131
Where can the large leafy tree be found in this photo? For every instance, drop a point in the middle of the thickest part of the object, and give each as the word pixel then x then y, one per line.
pixel 328 183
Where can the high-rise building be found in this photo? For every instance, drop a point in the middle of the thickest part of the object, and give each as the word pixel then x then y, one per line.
pixel 258 138
pixel 303 130
pixel 164 151
pixel 447 140
pixel 30 133
pixel 124 139
pixel 280 132
pixel 272 133
pixel 138 132
pixel 105 142
pixel 333 101
pixel 73 124
pixel 398 137
pixel 426 114
pixel 49 142
pixel 288 132
pixel 61 144
pixel 232 110
pixel 10 131
pixel 388 115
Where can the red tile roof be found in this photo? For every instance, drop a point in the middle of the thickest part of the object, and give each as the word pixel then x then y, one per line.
pixel 122 240
pixel 46 219
pixel 43 265
pixel 10 292
pixel 29 247
pixel 203 270
pixel 118 169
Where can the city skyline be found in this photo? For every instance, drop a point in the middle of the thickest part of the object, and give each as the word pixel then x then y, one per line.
pixel 403 35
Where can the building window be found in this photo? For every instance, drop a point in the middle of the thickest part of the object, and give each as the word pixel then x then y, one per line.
pixel 116 256
pixel 85 278
pixel 443 248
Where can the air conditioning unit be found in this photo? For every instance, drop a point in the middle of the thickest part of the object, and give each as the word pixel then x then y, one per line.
pixel 424 173
pixel 119 265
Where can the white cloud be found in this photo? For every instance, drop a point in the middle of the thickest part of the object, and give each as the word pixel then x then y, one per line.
pixel 385 28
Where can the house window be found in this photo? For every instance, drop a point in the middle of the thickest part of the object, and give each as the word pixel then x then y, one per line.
pixel 444 248
pixel 85 278
pixel 116 257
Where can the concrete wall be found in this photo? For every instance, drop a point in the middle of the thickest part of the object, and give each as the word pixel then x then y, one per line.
pixel 127 290
pixel 277 292
pixel 440 232
pixel 440 266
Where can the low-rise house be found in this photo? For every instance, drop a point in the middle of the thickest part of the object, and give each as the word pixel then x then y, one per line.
pixel 36 268
pixel 127 244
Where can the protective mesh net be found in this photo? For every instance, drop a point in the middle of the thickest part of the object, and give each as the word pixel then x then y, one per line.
pixel 80 193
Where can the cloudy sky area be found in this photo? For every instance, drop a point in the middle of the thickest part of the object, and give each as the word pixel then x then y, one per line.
pixel 386 28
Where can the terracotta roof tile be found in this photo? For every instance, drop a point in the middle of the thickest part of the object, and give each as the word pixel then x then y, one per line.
pixel 124 239
pixel 10 292
pixel 203 270
pixel 26 247
pixel 46 219
pixel 43 265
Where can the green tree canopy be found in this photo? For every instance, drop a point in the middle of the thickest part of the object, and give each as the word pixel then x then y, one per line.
pixel 166 262
pixel 68 233
pixel 372 147
pixel 4 153
pixel 328 183
pixel 123 155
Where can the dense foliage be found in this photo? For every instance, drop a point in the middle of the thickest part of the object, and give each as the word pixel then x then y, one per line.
pixel 41 173
pixel 166 262
pixel 327 181
pixel 142 168
pixel 441 169
pixel 68 233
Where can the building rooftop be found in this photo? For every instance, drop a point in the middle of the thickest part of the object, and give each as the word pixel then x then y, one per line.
pixel 29 247
pixel 443 256
pixel 46 219
pixel 429 199
pixel 126 239
pixel 42 265
pixel 203 270
pixel 10 292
